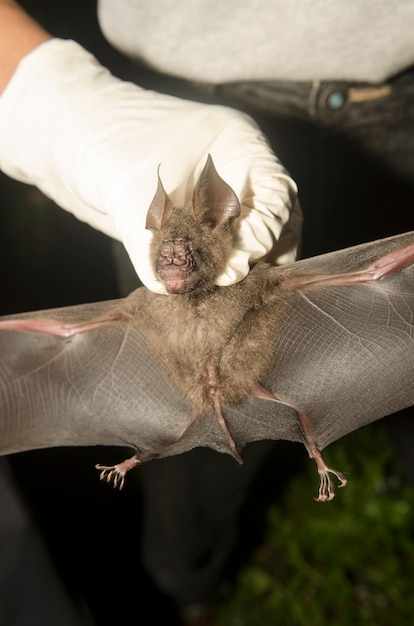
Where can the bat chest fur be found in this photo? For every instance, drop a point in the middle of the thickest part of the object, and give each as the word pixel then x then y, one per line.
pixel 204 345
pixel 198 360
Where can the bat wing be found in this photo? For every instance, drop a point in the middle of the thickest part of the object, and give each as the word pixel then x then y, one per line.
pixel 102 387
pixel 350 365
pixel 344 356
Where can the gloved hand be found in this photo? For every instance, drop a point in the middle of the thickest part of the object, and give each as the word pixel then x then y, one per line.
pixel 93 143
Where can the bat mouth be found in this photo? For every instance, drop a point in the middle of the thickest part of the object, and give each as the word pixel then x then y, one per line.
pixel 178 280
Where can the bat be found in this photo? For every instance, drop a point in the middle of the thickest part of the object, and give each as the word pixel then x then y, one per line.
pixel 307 352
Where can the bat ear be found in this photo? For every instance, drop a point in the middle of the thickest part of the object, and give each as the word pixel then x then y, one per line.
pixel 213 198
pixel 160 208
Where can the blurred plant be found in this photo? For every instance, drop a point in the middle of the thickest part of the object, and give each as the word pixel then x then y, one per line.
pixel 346 562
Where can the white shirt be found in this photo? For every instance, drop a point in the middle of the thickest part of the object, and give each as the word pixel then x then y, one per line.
pixel 230 40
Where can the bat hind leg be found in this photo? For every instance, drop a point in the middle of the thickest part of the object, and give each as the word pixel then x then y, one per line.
pixel 115 474
pixel 326 487
pixel 222 421
pixel 212 390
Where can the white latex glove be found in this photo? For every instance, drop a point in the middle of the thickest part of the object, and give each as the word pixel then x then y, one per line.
pixel 93 143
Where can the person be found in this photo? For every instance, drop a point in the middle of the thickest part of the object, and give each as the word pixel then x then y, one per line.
pixel 93 143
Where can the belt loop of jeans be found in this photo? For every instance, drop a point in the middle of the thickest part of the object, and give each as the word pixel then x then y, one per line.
pixel 337 101
pixel 327 103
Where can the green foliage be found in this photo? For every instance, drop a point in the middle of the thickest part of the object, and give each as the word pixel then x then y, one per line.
pixel 349 561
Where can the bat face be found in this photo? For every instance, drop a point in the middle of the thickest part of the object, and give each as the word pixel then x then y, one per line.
pixel 184 254
pixel 191 246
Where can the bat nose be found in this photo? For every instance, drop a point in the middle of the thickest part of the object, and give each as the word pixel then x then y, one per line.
pixel 177 253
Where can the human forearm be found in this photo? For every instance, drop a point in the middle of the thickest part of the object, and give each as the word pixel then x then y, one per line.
pixel 19 34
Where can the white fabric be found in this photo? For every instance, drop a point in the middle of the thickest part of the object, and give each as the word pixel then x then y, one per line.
pixel 208 40
pixel 93 143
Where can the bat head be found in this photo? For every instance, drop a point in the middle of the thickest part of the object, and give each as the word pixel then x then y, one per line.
pixel 191 246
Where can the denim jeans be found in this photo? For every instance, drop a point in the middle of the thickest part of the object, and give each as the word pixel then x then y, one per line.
pixel 377 117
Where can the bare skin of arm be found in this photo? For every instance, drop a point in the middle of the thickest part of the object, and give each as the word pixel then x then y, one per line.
pixel 19 35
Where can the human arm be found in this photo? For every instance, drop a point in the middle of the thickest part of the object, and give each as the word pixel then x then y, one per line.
pixel 93 143
pixel 19 35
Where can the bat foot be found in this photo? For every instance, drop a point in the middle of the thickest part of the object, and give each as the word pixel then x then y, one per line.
pixel 327 488
pixel 115 474
pixel 326 491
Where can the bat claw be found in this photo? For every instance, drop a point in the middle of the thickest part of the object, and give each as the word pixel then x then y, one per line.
pixel 327 488
pixel 115 474
pixel 112 475
pixel 326 491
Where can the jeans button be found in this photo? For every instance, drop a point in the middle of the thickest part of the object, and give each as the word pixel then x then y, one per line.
pixel 335 100
pixel 332 102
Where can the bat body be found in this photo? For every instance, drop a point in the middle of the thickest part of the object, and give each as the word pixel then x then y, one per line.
pixel 305 352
